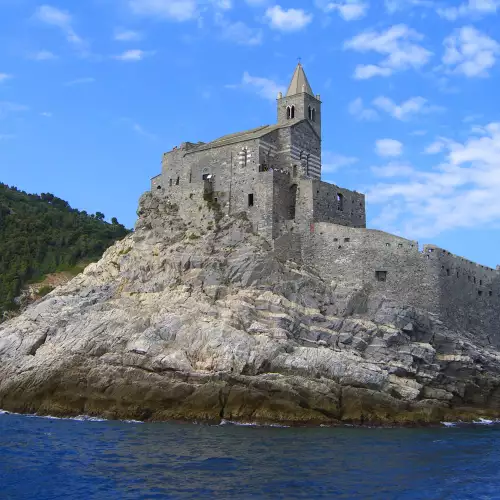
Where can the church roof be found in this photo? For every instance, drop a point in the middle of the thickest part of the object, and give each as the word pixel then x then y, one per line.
pixel 246 135
pixel 299 82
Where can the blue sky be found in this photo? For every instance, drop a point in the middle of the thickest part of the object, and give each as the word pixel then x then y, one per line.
pixel 93 92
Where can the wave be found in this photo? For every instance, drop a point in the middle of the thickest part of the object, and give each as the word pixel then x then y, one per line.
pixel 250 424
pixel 78 418
pixel 481 421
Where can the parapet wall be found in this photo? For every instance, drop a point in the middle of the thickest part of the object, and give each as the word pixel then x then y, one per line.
pixel 464 294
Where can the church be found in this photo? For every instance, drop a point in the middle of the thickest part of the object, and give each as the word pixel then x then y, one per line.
pixel 273 172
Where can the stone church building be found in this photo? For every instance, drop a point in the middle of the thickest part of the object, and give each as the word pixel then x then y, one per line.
pixel 272 172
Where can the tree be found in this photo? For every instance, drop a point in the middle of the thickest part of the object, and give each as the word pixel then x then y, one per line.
pixel 99 216
pixel 114 220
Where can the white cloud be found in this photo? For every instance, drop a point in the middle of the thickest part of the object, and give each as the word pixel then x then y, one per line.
pixel 331 162
pixel 435 201
pixel 4 77
pixel 356 108
pixel 398 45
pixel 127 35
pixel 133 55
pixel 393 6
pixel 412 106
pixel 43 55
pixel 472 8
pixel 46 114
pixel 7 107
pixel 176 10
pixel 349 10
pixel 264 87
pixel 388 147
pixel 80 81
pixel 393 169
pixel 470 52
pixel 436 147
pixel 53 16
pixel 287 20
pixel 238 32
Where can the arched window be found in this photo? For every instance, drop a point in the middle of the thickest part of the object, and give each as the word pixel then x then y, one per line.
pixel 313 114
pixel 288 112
pixel 292 112
pixel 309 112
pixel 340 201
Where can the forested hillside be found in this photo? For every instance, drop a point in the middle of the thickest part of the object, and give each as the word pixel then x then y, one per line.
pixel 41 234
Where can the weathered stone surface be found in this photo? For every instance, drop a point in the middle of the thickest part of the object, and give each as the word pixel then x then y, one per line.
pixel 171 326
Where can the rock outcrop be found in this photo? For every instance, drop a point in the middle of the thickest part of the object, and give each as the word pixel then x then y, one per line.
pixel 203 322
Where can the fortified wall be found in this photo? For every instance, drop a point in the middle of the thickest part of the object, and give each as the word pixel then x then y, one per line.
pixel 273 174
pixel 387 267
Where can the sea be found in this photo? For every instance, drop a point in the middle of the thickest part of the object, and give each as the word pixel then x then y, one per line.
pixel 46 458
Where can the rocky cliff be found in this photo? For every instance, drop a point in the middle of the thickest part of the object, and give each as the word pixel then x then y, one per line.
pixel 203 322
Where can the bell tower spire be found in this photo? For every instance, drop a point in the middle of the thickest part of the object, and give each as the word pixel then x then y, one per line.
pixel 300 102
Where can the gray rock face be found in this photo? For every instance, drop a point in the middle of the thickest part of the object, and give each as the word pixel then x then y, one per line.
pixel 184 322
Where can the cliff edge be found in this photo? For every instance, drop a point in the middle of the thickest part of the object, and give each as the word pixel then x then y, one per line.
pixel 202 321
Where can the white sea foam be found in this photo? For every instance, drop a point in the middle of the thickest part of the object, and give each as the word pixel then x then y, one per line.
pixel 250 424
pixel 79 418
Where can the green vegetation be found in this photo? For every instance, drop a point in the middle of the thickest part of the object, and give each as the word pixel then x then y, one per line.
pixel 45 290
pixel 41 234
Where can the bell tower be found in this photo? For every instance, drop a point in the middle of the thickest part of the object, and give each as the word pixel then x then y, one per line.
pixel 300 103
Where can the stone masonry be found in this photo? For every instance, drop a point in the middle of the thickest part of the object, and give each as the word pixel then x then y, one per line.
pixel 273 174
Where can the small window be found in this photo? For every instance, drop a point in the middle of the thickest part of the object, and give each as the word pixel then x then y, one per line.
pixel 468 278
pixel 347 240
pixel 447 272
pixel 335 239
pixel 215 200
pixel 313 115
pixel 177 181
pixel 292 112
pixel 205 177
pixel 387 244
pixel 480 292
pixel 400 245
pixel 295 170
pixel 480 282
pixel 250 200
pixel 170 182
pixel 190 177
pixel 490 293
pixel 288 113
pixel 340 201
pixel 158 187
pixel 381 275
pixel 474 279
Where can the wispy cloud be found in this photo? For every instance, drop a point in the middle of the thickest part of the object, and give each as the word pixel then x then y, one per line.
pixel 472 8
pixel 7 107
pixel 137 128
pixel 432 202
pixel 331 162
pixel 408 108
pixel 237 32
pixel 470 52
pixel 349 10
pixel 43 55
pixel 397 43
pixel 175 10
pixel 264 87
pixel 358 110
pixel 122 35
pixel 133 55
pixel 46 114
pixel 63 20
pixel 287 20
pixel 80 81
pixel 4 77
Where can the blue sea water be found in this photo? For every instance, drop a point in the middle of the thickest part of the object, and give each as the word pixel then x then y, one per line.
pixel 43 458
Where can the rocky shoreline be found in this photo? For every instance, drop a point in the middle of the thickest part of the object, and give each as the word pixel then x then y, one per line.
pixel 202 322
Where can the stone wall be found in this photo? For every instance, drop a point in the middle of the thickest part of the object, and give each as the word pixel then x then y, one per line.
pixel 301 102
pixel 338 205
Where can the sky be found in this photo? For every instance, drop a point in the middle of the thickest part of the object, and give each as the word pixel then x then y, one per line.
pixel 92 93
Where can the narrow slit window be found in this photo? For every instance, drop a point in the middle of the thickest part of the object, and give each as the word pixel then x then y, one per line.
pixel 340 201
pixel 381 275
pixel 250 200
